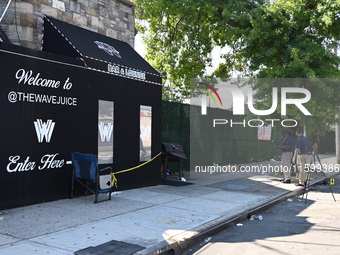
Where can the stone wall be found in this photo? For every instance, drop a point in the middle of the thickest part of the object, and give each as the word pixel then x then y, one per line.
pixel 113 18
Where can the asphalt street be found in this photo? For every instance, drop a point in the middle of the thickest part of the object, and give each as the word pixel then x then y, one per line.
pixel 290 227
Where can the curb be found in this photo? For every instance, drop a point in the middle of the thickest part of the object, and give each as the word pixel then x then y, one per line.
pixel 180 243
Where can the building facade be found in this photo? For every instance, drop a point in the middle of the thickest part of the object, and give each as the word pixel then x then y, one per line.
pixel 23 23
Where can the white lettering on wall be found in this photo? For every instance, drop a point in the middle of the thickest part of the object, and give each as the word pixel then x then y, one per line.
pixel 15 165
pixel 28 78
pixel 48 161
pixel 126 72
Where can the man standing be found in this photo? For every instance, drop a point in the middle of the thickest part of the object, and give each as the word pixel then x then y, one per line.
pixel 300 155
pixel 287 153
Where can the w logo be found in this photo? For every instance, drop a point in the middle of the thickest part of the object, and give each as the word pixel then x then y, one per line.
pixel 44 129
pixel 105 131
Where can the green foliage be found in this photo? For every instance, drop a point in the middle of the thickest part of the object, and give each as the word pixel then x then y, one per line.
pixel 293 39
pixel 181 34
pixel 265 39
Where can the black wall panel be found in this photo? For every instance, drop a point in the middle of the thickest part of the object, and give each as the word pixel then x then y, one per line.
pixel 75 128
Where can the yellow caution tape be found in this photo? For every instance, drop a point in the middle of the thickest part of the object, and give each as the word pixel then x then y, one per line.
pixel 114 179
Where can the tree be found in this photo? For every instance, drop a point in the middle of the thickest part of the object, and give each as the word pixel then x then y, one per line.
pixel 265 39
pixel 181 34
pixel 261 36
pixel 297 39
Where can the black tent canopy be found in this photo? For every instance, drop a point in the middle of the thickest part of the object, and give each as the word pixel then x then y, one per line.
pixel 96 51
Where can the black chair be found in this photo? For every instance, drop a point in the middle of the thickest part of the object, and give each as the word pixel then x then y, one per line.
pixel 87 173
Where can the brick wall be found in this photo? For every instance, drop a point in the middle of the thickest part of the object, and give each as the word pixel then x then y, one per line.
pixel 113 18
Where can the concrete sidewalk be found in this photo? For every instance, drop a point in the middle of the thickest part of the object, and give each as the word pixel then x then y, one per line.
pixel 151 220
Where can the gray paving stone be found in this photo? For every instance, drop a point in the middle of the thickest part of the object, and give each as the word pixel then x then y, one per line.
pixel 5 239
pixel 27 247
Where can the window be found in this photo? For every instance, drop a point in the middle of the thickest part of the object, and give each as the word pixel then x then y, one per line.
pixel 145 133
pixel 105 132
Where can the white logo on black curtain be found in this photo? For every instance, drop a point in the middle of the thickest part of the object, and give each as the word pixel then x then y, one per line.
pixel 105 131
pixel 44 129
pixel 108 49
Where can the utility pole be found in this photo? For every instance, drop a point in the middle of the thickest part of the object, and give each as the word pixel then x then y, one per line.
pixel 337 141
pixel 337 126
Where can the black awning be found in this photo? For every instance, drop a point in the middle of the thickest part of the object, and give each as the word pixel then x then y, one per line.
pixel 97 51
